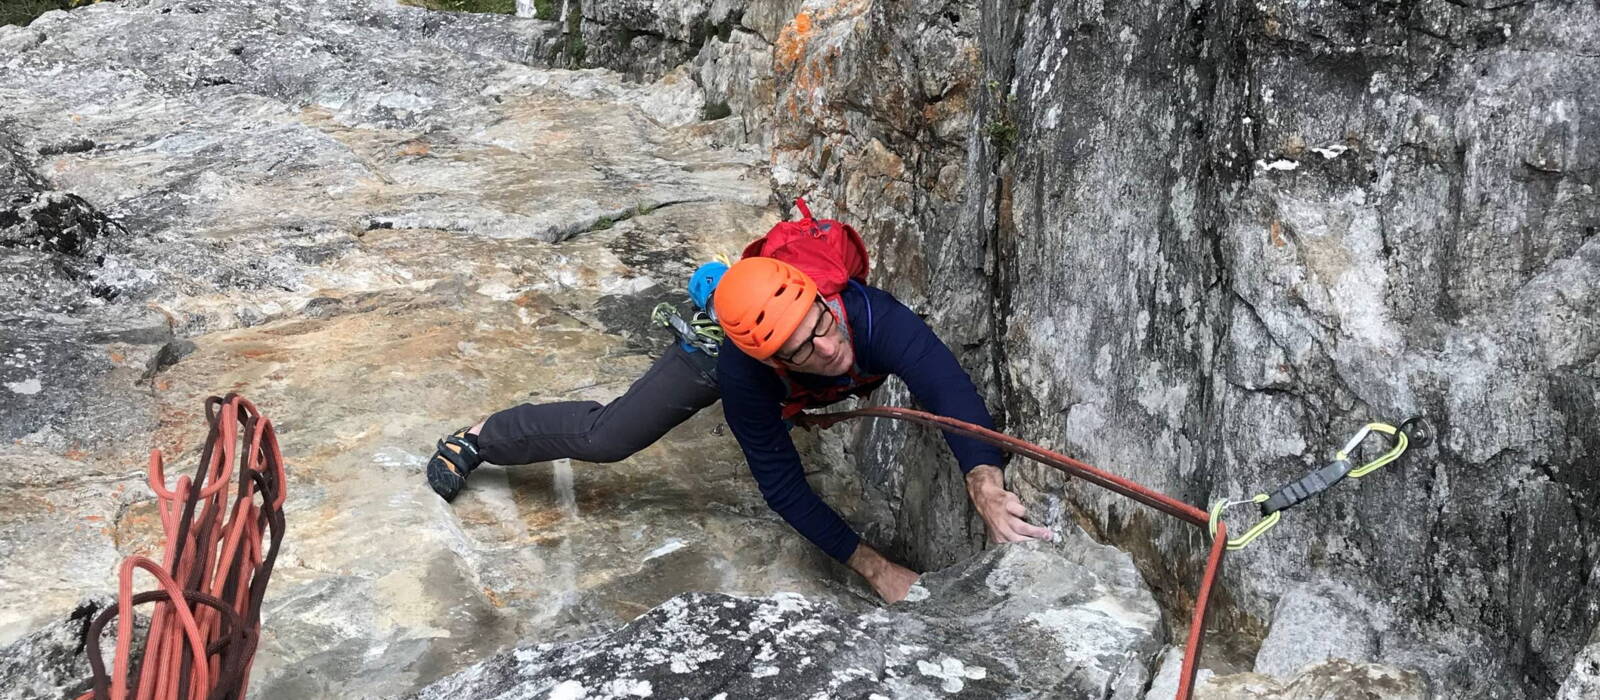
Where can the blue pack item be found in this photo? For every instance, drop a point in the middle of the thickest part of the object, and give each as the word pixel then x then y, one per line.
pixel 704 281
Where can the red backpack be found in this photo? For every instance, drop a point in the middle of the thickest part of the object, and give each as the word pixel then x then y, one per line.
pixel 833 255
pixel 829 251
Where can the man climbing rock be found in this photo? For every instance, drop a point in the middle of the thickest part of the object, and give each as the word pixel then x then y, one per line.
pixel 790 347
pixel 791 343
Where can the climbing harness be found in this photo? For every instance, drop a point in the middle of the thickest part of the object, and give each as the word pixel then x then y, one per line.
pixel 1166 504
pixel 213 573
pixel 1414 430
pixel 698 332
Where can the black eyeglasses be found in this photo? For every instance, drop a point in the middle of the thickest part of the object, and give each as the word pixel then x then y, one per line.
pixel 825 324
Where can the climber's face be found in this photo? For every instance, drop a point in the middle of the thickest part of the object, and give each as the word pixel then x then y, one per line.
pixel 819 345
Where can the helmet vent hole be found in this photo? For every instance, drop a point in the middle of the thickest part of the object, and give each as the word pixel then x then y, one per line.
pixel 760 316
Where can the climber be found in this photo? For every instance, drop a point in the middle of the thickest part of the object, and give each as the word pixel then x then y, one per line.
pixel 791 344
pixel 797 348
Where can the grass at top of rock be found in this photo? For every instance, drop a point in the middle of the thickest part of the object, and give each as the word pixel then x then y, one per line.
pixel 21 12
pixel 502 7
pixel 546 9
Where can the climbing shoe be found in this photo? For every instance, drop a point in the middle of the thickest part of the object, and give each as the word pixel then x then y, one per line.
pixel 456 457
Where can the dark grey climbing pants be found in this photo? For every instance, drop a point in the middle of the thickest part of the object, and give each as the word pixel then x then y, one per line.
pixel 678 385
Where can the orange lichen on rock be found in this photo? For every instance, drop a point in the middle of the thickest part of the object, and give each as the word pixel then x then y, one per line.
pixel 792 41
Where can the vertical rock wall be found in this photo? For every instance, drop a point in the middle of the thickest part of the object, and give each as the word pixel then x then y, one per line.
pixel 1230 234
pixel 1200 244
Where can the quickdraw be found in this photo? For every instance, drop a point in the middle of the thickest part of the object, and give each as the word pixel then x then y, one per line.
pixel 1413 431
pixel 698 332
pixel 1418 433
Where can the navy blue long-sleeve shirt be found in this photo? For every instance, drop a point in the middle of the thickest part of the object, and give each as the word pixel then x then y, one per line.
pixel 899 343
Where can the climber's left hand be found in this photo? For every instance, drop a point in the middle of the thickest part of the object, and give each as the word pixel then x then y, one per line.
pixel 1000 509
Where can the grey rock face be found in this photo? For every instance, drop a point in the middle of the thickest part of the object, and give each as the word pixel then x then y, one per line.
pixel 645 39
pixel 1228 244
pixel 1169 672
pixel 1331 679
pixel 1584 680
pixel 1336 678
pixel 1315 623
pixel 1200 245
pixel 1225 236
pixel 52 661
pixel 1031 620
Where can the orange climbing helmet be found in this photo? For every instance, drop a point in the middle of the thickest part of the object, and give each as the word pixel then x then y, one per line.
pixel 760 301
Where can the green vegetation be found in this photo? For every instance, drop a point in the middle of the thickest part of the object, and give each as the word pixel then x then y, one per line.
pixel 1001 128
pixel 501 7
pixel 25 11
pixel 546 9
pixel 576 49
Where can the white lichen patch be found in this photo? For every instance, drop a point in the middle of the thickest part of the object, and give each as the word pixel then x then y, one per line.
pixel 1279 164
pixel 917 593
pixel 626 688
pixel 764 671
pixel 850 674
pixel 568 690
pixel 1331 152
pixel 689 660
pixel 26 386
pixel 952 672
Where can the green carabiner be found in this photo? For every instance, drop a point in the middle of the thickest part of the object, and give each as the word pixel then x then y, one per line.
pixel 1257 530
pixel 1395 434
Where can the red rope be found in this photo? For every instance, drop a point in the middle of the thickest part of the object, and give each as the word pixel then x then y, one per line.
pixel 1162 502
pixel 213 575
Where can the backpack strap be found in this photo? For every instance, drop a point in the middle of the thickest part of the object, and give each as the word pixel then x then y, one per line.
pixel 866 303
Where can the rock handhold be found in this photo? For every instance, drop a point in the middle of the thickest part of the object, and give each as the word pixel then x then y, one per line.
pixel 1313 623
pixel 1028 620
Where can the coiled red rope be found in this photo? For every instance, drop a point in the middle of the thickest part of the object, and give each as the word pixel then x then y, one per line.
pixel 1159 501
pixel 213 574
